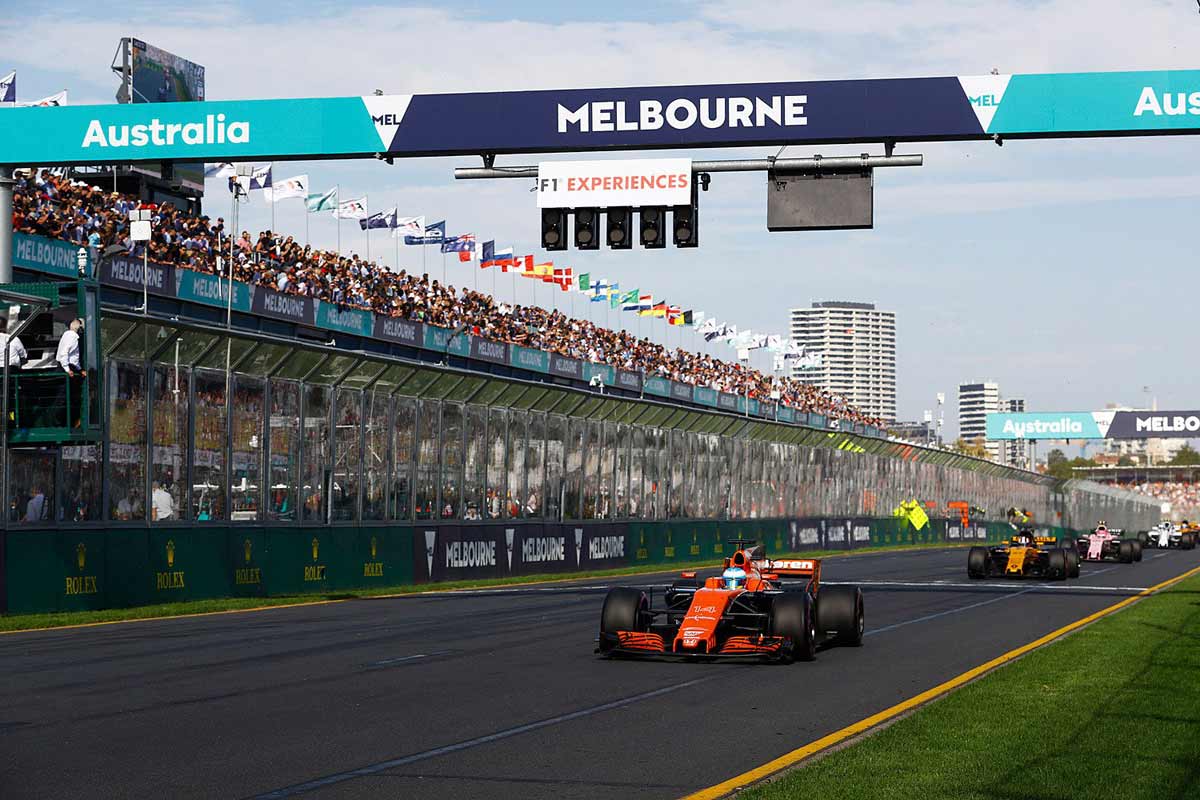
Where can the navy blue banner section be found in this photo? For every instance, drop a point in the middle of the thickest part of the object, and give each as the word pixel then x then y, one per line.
pixel 403 331
pixel 284 306
pixel 680 116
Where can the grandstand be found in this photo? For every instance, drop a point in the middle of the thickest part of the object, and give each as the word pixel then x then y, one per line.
pixel 54 207
pixel 1176 488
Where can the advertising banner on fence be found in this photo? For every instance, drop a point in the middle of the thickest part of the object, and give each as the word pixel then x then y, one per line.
pixel 45 255
pixel 607 184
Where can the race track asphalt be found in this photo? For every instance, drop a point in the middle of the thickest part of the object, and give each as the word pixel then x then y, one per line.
pixel 485 694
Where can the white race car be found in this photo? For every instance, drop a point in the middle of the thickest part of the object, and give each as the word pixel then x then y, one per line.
pixel 1165 535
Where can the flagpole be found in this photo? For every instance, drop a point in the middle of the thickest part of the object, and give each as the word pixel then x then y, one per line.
pixel 367 210
pixel 272 200
pixel 396 239
pixel 338 186
pixel 306 242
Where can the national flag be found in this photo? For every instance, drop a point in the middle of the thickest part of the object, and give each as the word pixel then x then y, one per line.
pixel 655 310
pixel 222 170
pixel 585 281
pixel 408 226
pixel 645 301
pixel 464 242
pixel 532 270
pixel 614 298
pixel 59 99
pixel 322 202
pixel 674 315
pixel 380 219
pixel 433 234
pixel 564 278
pixel 260 178
pixel 351 209
pixel 491 257
pixel 688 317
pixel 599 290
pixel 295 186
pixel 8 88
pixel 629 300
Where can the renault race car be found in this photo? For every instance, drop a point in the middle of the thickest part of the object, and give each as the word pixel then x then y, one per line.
pixel 747 612
pixel 1107 544
pixel 1025 555
pixel 1165 535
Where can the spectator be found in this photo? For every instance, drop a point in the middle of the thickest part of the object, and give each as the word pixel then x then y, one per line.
pixel 47 205
pixel 35 509
pixel 161 503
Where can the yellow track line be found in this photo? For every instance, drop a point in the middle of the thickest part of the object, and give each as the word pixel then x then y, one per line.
pixel 399 595
pixel 812 748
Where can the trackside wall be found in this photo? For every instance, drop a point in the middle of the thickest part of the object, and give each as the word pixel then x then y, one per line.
pixel 86 569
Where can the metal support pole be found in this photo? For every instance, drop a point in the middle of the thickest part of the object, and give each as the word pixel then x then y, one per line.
pixel 6 230
pixel 729 165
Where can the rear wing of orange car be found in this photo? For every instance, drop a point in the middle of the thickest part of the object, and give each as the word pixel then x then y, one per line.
pixel 1045 540
pixel 800 567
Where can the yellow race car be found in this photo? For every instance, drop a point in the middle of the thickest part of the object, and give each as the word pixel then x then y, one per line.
pixel 1025 555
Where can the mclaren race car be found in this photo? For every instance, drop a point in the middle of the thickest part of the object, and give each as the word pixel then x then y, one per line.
pixel 1025 555
pixel 1107 544
pixel 747 612
pixel 1166 535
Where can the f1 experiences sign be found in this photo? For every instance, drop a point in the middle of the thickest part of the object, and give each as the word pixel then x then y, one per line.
pixel 613 184
pixel 1095 425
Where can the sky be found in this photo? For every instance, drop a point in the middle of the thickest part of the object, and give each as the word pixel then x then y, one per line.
pixel 1064 270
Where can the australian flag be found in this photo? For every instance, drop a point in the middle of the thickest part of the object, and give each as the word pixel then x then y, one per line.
pixel 464 243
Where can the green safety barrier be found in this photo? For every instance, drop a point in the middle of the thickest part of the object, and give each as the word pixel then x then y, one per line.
pixel 77 570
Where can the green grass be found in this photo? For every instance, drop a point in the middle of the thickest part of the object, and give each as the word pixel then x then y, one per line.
pixel 19 622
pixel 1112 711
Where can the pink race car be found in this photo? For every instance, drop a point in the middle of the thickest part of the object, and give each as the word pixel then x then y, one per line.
pixel 1104 544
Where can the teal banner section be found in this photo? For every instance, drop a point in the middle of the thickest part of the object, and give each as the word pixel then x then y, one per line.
pixel 212 290
pixel 606 373
pixel 1043 425
pixel 533 360
pixel 351 320
pixel 659 387
pixel 46 255
pixel 1165 100
pixel 705 396
pixel 444 340
pixel 213 130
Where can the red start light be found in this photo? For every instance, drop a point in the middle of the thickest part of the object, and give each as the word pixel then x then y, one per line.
pixel 688 574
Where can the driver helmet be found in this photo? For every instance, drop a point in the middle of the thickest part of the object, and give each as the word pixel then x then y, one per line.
pixel 734 578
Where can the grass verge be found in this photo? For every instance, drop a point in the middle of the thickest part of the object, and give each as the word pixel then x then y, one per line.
pixel 11 623
pixel 1110 711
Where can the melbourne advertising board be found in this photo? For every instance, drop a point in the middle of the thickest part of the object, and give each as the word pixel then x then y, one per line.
pixel 635 118
pixel 1094 425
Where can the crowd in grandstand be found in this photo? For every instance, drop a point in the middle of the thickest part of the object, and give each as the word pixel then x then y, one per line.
pixel 1183 497
pixel 48 205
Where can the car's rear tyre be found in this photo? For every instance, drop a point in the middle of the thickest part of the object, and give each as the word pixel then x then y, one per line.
pixel 1125 552
pixel 1144 538
pixel 624 610
pixel 977 562
pixel 1187 541
pixel 840 612
pixel 1068 543
pixel 1072 562
pixel 792 616
pixel 1056 564
pixel 1137 549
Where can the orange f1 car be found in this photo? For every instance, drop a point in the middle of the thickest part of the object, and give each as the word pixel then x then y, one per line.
pixel 747 612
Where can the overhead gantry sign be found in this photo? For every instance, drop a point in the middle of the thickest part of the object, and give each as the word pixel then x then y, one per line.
pixel 644 118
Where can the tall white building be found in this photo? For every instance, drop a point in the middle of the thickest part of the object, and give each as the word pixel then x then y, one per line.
pixel 975 402
pixel 857 345
pixel 1016 452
